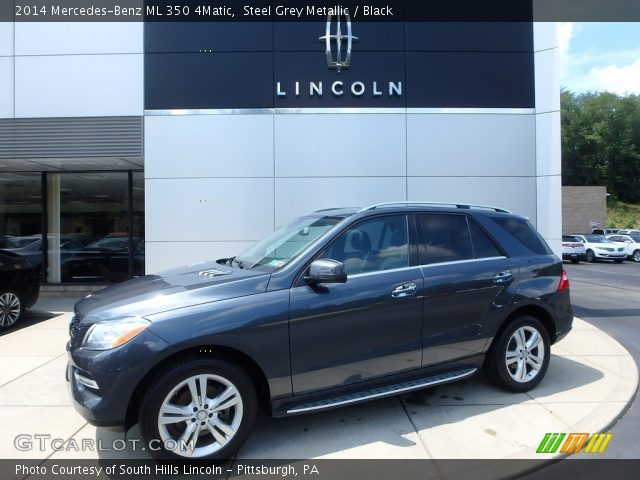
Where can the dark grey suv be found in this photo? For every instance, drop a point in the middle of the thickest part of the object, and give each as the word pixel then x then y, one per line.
pixel 338 307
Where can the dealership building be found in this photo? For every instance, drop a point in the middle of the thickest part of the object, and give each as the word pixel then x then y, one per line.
pixel 130 147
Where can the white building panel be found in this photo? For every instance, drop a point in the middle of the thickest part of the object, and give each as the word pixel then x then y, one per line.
pixel 74 38
pixel 517 194
pixel 548 144
pixel 545 36
pixel 297 196
pixel 79 85
pixel 471 145
pixel 345 144
pixel 6 38
pixel 6 87
pixel 208 209
pixel 550 211
pixel 209 146
pixel 547 73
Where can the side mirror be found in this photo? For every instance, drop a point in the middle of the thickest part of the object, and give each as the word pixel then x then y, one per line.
pixel 326 271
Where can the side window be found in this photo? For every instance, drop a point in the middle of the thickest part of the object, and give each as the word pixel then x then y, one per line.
pixel 483 246
pixel 446 237
pixel 372 245
pixel 523 232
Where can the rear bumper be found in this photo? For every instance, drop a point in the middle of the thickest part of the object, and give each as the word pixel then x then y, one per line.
pixel 562 315
pixel 574 256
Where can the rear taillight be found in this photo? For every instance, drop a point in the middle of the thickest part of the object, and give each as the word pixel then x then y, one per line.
pixel 564 282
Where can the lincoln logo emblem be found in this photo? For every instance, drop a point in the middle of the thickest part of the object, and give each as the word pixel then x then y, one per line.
pixel 342 57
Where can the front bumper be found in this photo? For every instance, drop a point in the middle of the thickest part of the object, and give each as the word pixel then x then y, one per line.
pixel 610 255
pixel 116 374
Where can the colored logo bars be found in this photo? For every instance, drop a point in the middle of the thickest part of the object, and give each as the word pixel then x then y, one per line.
pixel 574 443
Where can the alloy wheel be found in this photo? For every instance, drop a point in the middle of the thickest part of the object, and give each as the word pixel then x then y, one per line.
pixel 200 415
pixel 525 354
pixel 636 256
pixel 10 309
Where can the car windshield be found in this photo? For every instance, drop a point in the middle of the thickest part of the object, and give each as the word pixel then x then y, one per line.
pixel 597 239
pixel 21 242
pixel 286 243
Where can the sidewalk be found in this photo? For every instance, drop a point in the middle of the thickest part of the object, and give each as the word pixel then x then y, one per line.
pixel 590 381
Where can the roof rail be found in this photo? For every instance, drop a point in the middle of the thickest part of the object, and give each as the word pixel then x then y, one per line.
pixel 434 204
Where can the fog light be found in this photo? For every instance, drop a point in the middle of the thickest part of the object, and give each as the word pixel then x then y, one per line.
pixel 87 382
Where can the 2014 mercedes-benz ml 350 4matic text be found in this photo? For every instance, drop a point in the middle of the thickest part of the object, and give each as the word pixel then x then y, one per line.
pixel 337 307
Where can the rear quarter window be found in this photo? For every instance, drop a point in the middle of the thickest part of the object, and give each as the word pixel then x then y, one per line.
pixel 523 232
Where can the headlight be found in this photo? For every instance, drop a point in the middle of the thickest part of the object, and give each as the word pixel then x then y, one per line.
pixel 113 333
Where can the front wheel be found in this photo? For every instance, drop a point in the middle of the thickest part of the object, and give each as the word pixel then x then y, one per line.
pixel 519 357
pixel 199 409
pixel 591 257
pixel 11 309
pixel 636 256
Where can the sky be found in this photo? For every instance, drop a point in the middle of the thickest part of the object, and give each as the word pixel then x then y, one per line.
pixel 600 57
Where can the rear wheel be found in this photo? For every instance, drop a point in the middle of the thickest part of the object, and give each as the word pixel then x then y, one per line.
pixel 591 257
pixel 519 357
pixel 11 309
pixel 199 409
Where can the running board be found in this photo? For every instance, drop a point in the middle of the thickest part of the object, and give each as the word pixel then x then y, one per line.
pixel 382 391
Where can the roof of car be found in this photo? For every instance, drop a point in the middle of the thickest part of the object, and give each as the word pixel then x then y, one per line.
pixel 404 206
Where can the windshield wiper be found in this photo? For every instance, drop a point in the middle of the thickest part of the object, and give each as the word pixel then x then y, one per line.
pixel 237 262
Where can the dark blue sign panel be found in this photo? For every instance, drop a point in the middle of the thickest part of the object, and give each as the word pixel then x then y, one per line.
pixel 338 65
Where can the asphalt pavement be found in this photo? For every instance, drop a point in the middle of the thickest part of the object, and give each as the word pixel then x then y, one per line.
pixel 607 295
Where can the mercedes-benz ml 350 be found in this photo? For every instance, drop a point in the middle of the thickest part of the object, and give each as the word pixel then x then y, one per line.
pixel 337 307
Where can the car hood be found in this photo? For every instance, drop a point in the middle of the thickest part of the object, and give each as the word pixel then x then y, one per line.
pixel 193 284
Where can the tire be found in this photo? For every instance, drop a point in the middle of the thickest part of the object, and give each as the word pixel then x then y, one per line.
pixel 216 434
pixel 507 367
pixel 575 260
pixel 11 309
pixel 636 256
pixel 591 257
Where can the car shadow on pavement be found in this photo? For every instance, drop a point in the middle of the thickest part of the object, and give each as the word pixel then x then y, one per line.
pixel 395 427
pixel 30 318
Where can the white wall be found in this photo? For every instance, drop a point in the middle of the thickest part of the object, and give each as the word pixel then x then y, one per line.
pixel 217 183
pixel 6 70
pixel 76 69
pixel 548 141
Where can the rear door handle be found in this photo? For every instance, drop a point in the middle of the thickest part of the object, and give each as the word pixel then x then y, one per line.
pixel 503 277
pixel 404 290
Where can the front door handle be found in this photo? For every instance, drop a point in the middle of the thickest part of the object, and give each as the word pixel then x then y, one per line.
pixel 404 290
pixel 503 277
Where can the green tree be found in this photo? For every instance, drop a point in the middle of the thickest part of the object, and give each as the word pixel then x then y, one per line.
pixel 601 142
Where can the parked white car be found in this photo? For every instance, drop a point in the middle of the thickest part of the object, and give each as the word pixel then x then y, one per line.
pixel 599 247
pixel 573 249
pixel 632 242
